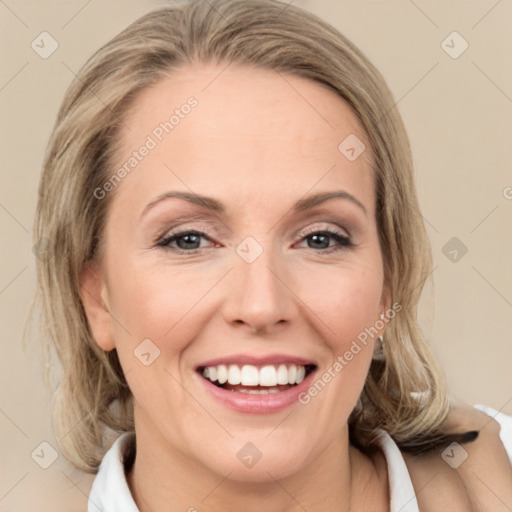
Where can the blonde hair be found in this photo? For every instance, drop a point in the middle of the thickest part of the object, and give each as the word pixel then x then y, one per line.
pixel 93 397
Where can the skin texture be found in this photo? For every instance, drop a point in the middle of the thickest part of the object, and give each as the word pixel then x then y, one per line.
pixel 257 141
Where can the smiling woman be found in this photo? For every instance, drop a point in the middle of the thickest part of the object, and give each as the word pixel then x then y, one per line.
pixel 241 303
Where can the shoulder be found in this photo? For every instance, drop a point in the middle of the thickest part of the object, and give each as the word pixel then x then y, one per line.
pixel 475 477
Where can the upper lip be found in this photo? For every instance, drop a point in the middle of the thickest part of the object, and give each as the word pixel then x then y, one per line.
pixel 242 359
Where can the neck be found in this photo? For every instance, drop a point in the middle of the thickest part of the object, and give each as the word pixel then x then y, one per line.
pixel 339 479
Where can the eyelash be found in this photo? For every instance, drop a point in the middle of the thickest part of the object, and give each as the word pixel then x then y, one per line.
pixel 342 240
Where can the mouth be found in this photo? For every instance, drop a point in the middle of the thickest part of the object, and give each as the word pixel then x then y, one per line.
pixel 256 379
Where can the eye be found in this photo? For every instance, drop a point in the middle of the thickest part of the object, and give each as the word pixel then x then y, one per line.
pixel 320 240
pixel 186 240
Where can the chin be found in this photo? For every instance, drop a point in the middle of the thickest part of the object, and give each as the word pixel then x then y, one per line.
pixel 258 462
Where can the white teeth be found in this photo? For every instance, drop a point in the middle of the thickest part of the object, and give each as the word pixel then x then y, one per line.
pixel 268 376
pixel 212 373
pixel 249 375
pixel 222 373
pixel 292 374
pixel 259 391
pixel 282 374
pixel 234 375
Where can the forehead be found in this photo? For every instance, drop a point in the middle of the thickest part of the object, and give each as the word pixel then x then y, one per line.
pixel 249 128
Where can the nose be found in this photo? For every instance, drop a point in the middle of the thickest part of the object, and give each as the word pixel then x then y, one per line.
pixel 259 294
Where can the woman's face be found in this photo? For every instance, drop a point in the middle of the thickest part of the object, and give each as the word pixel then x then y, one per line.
pixel 247 283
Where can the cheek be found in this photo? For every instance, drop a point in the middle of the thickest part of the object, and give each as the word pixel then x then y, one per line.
pixel 153 316
pixel 154 303
pixel 347 300
pixel 347 305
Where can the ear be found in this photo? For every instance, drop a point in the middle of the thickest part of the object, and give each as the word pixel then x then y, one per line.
pixel 94 295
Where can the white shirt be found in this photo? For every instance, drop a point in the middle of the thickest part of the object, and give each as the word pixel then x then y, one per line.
pixel 110 491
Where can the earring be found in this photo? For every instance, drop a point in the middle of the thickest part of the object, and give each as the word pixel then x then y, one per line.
pixel 378 353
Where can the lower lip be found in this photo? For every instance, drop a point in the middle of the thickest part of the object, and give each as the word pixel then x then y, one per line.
pixel 257 404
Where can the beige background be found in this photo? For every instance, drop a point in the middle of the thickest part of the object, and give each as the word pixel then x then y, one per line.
pixel 459 116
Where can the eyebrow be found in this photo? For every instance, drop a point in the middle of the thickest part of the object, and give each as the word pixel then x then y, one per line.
pixel 209 203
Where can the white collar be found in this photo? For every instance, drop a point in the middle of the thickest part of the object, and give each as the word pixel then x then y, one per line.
pixel 110 491
pixel 401 490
